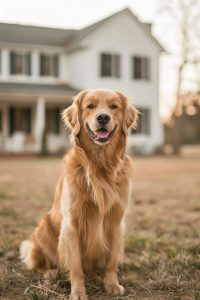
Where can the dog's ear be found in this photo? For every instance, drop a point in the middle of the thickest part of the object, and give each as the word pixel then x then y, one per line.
pixel 131 114
pixel 71 115
pixel 71 119
pixel 130 120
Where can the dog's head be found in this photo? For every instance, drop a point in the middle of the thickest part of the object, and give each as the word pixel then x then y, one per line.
pixel 102 114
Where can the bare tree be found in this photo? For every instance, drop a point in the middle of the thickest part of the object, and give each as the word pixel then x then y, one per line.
pixel 184 18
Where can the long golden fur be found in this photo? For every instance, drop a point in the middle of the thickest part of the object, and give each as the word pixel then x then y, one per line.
pixel 84 226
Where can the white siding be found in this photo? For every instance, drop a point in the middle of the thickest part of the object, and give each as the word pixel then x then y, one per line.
pixel 122 35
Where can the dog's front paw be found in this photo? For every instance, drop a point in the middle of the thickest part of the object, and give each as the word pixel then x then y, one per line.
pixel 114 289
pixel 78 296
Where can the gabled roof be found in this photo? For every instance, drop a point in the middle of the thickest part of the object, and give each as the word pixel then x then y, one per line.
pixel 71 39
pixel 83 33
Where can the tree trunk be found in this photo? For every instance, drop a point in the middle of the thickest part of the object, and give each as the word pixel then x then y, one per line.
pixel 177 128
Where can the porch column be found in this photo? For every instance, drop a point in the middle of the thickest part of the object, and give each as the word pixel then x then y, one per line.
pixel 39 123
pixel 5 127
pixel 35 65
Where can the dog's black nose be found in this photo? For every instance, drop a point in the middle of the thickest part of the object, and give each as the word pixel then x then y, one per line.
pixel 103 119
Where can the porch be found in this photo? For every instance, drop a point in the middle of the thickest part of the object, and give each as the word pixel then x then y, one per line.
pixel 31 122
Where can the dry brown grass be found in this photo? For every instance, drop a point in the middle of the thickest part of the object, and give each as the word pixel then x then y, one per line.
pixel 162 240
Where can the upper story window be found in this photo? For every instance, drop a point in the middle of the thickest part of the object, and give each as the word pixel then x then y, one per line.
pixel 144 122
pixel 110 65
pixel 49 65
pixel 141 67
pixel 20 63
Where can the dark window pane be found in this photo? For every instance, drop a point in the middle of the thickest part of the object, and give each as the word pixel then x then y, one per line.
pixel 106 67
pixel 116 66
pixel 141 67
pixel 110 65
pixel 44 65
pixel 55 65
pixel 28 63
pixel 41 64
pixel 12 63
pixel 20 63
pixel 137 67
pixel 49 65
pixel 146 68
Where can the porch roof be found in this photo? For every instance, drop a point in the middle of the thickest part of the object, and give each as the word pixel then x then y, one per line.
pixel 32 89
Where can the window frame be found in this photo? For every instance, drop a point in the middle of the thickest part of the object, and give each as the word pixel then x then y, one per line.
pixel 145 68
pixel 25 57
pixel 54 69
pixel 115 65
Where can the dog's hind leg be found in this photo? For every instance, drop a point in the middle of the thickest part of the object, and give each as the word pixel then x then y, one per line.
pixel 31 255
pixel 25 253
pixel 40 254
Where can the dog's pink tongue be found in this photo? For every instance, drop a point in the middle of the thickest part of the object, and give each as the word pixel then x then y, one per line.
pixel 102 134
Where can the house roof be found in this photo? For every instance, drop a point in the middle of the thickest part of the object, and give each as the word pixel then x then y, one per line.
pixel 81 34
pixel 63 90
pixel 16 33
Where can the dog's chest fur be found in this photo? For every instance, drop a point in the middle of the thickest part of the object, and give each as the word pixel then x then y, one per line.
pixel 93 205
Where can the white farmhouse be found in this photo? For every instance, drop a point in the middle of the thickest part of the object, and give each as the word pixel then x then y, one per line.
pixel 41 69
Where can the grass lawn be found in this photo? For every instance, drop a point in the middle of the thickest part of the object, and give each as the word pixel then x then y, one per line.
pixel 162 240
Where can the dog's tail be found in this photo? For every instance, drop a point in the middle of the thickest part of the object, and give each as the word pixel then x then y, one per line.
pixel 25 253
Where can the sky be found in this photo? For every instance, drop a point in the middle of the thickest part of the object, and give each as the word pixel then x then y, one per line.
pixel 69 13
pixel 79 13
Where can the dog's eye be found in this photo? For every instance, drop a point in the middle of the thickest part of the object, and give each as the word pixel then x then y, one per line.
pixel 113 106
pixel 91 106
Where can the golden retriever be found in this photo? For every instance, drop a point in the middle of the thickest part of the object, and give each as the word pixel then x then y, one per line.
pixel 83 229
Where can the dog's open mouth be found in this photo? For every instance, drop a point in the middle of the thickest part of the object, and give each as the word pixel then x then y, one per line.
pixel 102 135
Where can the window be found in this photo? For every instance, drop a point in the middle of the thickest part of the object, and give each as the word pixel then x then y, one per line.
pixel 143 126
pixel 20 63
pixel 110 65
pixel 49 65
pixel 141 67
pixel 53 120
pixel 20 120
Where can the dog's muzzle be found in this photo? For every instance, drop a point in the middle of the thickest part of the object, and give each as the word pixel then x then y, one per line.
pixel 102 135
